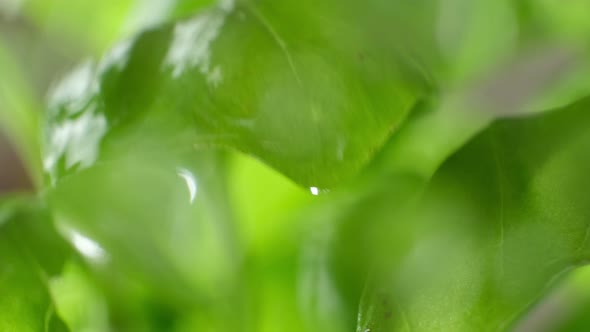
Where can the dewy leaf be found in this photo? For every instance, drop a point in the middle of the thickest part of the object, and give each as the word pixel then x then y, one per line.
pixel 28 254
pixel 306 88
pixel 503 218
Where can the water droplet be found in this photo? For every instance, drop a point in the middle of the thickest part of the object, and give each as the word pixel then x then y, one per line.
pixel 314 191
pixel 191 182
pixel 317 191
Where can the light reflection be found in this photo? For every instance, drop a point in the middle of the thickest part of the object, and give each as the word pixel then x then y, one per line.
pixel 191 44
pixel 78 136
pixel 227 5
pixel 117 57
pixel 314 191
pixel 148 13
pixel 87 247
pixel 215 77
pixel 191 183
pixel 76 90
pixel 78 140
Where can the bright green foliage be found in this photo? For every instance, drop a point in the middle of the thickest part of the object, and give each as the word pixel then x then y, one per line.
pixel 389 165
pixel 293 98
pixel 484 222
pixel 30 252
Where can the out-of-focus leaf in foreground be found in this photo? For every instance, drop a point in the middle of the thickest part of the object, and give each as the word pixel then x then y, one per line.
pixel 30 252
pixel 501 219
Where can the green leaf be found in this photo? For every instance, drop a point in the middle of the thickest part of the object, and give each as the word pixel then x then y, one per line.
pixel 503 218
pixel 28 255
pixel 314 90
pixel 474 35
pixel 313 103
pixel 78 300
pixel 564 308
pixel 265 203
pixel 93 27
pixel 564 21
pixel 159 253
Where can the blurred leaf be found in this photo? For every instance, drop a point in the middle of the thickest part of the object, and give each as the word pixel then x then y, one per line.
pixel 162 251
pixel 78 300
pixel 19 113
pixel 565 21
pixel 474 35
pixel 95 26
pixel 501 219
pixel 28 254
pixel 179 239
pixel 315 120
pixel 565 308
pixel 168 261
pixel 337 114
pixel 265 202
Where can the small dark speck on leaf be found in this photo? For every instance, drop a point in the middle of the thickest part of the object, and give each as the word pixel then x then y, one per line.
pixel 388 313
